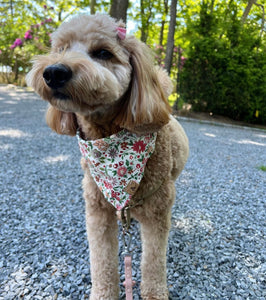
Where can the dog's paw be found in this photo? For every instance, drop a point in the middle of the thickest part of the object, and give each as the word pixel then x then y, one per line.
pixel 103 294
pixel 155 295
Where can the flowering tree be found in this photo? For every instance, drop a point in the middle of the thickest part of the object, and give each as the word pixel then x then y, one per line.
pixel 25 33
pixel 26 27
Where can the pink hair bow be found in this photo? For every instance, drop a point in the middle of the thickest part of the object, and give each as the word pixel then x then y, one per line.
pixel 121 32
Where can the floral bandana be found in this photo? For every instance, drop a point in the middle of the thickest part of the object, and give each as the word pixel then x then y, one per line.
pixel 117 163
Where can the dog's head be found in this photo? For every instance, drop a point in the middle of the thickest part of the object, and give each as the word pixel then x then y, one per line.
pixel 95 71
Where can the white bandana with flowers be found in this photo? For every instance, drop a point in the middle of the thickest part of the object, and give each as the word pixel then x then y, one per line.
pixel 117 163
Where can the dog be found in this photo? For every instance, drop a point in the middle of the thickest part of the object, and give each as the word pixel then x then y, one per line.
pixel 102 82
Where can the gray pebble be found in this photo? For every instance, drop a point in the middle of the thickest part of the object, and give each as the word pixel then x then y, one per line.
pixel 216 243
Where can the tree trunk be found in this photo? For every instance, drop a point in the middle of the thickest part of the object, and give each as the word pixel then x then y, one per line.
pixel 166 8
pixel 146 13
pixel 92 7
pixel 11 8
pixel 178 85
pixel 118 9
pixel 247 10
pixel 263 17
pixel 170 39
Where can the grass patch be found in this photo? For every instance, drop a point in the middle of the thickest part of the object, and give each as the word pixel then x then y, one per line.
pixel 262 168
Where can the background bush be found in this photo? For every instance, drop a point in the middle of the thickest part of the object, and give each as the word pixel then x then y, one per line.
pixel 225 72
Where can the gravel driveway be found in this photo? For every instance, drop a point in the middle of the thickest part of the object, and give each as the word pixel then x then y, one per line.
pixel 217 240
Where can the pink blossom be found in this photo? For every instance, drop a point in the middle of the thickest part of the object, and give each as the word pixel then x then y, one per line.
pixel 0 51
pixel 18 42
pixel 28 35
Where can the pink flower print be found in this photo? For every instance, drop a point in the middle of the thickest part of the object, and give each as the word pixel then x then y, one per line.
pixel 84 152
pixel 138 166
pixel 124 145
pixel 127 201
pixel 121 171
pixel 108 185
pixel 147 138
pixel 139 146
pixel 102 145
pixel 144 161
pixel 123 182
pixel 115 195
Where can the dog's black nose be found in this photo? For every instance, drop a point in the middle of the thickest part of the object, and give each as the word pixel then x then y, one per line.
pixel 57 75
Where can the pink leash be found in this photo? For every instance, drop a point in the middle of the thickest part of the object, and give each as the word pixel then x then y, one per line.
pixel 128 283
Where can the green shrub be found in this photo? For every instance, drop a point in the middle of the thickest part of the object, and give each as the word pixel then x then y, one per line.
pixel 225 74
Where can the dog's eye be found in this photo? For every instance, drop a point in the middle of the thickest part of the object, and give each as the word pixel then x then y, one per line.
pixel 62 49
pixel 102 54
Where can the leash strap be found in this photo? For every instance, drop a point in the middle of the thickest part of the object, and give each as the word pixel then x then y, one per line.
pixel 128 283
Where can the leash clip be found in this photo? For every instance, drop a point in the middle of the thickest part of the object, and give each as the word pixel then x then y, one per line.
pixel 127 238
pixel 126 219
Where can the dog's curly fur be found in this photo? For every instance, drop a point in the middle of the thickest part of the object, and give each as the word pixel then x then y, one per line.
pixel 114 85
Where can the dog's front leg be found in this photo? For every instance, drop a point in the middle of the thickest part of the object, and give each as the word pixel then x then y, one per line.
pixel 102 231
pixel 155 225
pixel 153 263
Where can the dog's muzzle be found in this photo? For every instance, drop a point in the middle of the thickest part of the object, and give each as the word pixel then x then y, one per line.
pixel 57 75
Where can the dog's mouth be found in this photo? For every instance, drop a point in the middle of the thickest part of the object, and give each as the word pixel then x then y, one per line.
pixel 60 96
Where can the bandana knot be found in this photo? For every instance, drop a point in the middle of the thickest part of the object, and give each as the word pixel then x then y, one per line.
pixel 117 163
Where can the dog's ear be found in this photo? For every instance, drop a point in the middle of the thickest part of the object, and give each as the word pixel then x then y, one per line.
pixel 61 122
pixel 147 108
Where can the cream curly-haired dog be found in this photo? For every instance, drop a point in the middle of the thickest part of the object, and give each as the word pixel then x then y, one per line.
pixel 101 81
